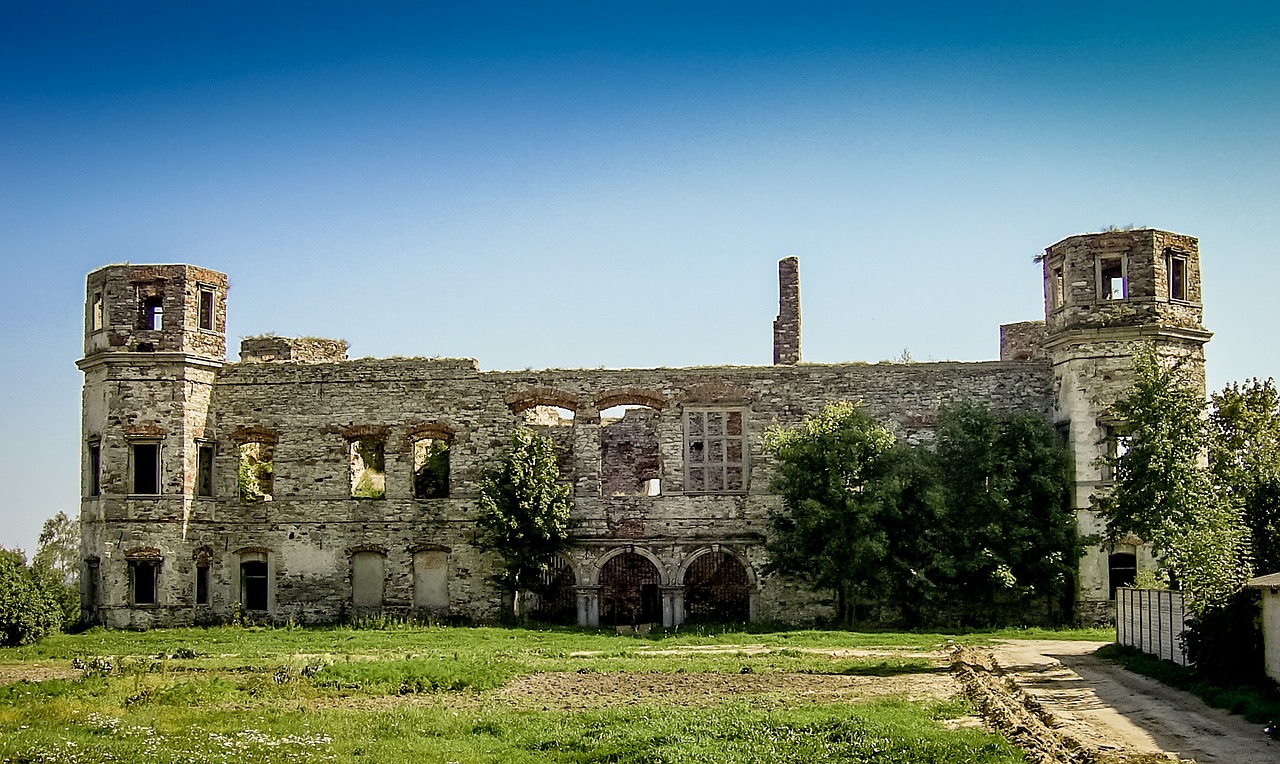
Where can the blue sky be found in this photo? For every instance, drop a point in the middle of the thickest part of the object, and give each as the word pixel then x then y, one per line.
pixel 611 184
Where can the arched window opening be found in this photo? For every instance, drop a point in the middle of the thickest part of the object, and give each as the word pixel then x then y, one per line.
pixel 253 581
pixel 1122 571
pixel 556 423
pixel 431 468
pixel 716 590
pixel 629 591
pixel 630 462
pixel 556 600
pixel 368 467
pixel 257 476
pixel 368 575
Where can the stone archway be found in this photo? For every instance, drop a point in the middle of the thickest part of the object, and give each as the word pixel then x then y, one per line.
pixel 630 590
pixel 717 589
pixel 557 600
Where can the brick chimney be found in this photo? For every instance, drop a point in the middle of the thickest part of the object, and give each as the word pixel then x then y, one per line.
pixel 786 327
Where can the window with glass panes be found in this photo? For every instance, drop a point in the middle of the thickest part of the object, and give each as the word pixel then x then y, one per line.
pixel 715 451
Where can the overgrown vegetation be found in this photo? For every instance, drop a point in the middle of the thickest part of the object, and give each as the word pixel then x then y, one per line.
pixel 524 513
pixel 982 520
pixel 29 607
pixel 1213 521
pixel 264 694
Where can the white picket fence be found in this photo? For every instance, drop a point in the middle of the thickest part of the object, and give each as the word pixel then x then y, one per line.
pixel 1153 621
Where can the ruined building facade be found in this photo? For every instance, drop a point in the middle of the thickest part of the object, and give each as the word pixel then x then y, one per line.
pixel 299 484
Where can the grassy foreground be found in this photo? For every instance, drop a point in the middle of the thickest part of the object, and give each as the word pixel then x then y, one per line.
pixel 435 694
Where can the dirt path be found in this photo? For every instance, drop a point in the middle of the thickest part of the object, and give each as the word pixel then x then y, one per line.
pixel 1109 709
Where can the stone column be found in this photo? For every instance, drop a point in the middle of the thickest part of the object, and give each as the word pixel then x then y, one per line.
pixel 672 606
pixel 588 605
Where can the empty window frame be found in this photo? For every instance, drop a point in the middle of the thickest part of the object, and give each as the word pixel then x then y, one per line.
pixel 368 576
pixel 1112 281
pixel 254 581
pixel 152 313
pixel 93 482
pixel 431 468
pixel 96 312
pixel 202 583
pixel 368 467
pixel 256 477
pixel 143 577
pixel 1058 285
pixel 204 469
pixel 1177 270
pixel 1117 441
pixel 145 468
pixel 715 451
pixel 205 298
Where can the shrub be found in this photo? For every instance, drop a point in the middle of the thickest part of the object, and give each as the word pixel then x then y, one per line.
pixel 1225 641
pixel 27 610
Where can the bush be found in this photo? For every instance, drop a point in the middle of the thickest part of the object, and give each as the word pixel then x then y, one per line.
pixel 27 610
pixel 1225 641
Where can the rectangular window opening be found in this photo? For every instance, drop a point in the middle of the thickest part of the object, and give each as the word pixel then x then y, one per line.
pixel 368 468
pixel 1111 279
pixel 1117 446
pixel 146 468
pixel 92 572
pixel 202 585
pixel 95 469
pixel 253 583
pixel 431 468
pixel 1177 277
pixel 142 574
pixel 715 451
pixel 153 313
pixel 96 313
pixel 256 478
pixel 206 309
pixel 1059 288
pixel 204 469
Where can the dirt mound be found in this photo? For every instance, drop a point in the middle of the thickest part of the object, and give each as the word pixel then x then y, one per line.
pixel 1022 720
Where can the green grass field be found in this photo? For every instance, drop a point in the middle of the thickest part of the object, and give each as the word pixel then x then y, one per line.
pixel 436 694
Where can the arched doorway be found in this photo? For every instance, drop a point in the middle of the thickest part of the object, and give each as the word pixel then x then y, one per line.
pixel 629 591
pixel 557 600
pixel 716 590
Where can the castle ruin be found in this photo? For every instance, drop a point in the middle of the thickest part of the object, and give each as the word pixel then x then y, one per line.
pixel 300 484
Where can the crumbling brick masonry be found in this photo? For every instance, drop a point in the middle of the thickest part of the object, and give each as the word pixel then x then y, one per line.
pixel 299 484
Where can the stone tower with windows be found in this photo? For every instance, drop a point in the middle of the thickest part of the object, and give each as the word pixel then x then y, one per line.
pixel 1105 295
pixel 155 338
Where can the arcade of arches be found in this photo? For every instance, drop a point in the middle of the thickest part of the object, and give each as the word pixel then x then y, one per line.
pixel 631 586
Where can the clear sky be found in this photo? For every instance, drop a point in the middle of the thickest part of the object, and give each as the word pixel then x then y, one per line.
pixel 582 184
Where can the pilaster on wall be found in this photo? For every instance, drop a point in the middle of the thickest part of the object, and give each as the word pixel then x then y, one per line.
pixel 786 327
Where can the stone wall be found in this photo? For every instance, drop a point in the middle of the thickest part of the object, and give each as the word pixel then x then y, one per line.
pixel 312 524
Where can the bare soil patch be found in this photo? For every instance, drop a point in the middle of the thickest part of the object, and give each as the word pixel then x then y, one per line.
pixel 36 672
pixel 573 691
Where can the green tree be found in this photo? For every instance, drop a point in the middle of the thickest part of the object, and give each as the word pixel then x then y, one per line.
pixel 1164 491
pixel 854 510
pixel 1244 458
pixel 1011 529
pixel 525 513
pixel 56 564
pixel 28 611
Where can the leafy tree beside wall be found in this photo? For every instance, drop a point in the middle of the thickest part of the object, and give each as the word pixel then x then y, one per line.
pixel 525 513
pixel 1244 458
pixel 29 609
pixel 1165 492
pixel 984 520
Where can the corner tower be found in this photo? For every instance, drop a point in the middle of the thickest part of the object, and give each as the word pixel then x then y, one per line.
pixel 1105 295
pixel 155 338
